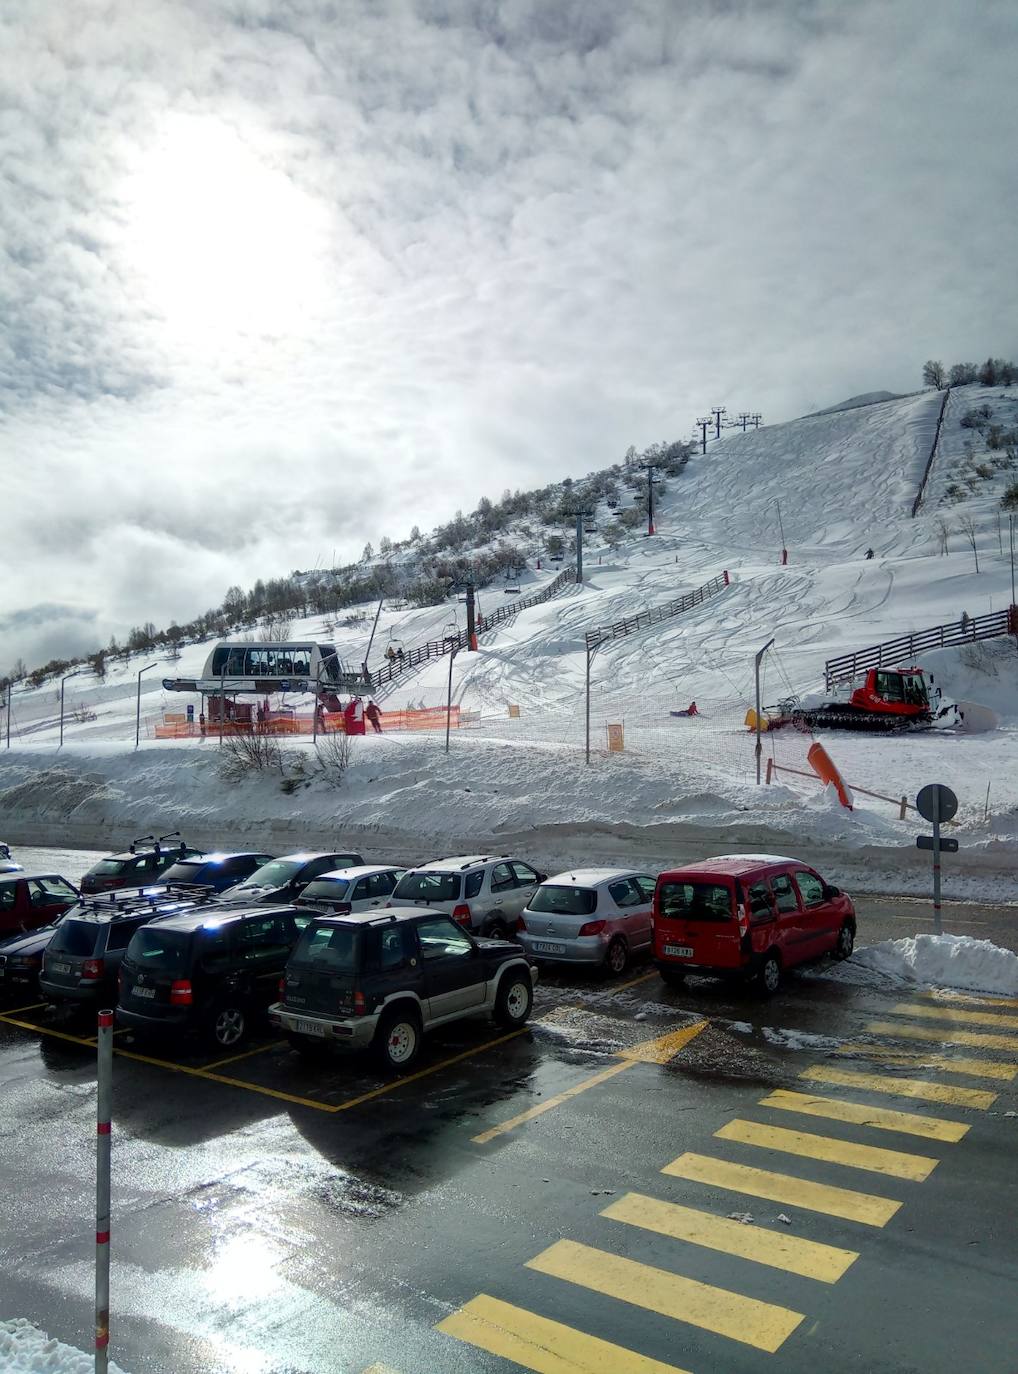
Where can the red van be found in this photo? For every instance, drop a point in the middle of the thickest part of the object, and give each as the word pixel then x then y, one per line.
pixel 752 915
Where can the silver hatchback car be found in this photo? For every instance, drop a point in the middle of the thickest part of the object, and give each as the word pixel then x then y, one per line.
pixel 600 917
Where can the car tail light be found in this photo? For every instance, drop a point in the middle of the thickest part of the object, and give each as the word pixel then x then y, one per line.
pixel 591 928
pixel 520 924
pixel 743 919
pixel 93 968
pixel 461 913
pixel 180 993
pixel 282 987
pixel 359 1005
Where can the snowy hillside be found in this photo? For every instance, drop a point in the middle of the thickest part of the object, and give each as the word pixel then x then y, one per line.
pixel 838 484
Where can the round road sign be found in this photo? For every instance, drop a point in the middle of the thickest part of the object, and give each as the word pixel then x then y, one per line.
pixel 936 802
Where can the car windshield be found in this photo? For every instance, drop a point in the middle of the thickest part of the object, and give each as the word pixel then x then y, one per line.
pixel 275 874
pixel 184 872
pixel 333 889
pixel 74 937
pixel 155 947
pixel 428 887
pixel 328 947
pixel 566 901
pixel 108 868
pixel 695 901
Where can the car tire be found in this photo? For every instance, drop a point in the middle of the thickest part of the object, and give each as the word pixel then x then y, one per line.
pixel 616 959
pixel 768 978
pixel 397 1043
pixel 845 943
pixel 228 1025
pixel 497 930
pixel 308 1046
pixel 514 999
pixel 672 976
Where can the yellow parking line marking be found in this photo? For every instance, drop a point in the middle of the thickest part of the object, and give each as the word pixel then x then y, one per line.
pixel 49 1030
pixel 902 1087
pixel 944 1035
pixel 191 1072
pixel 896 1163
pixel 643 978
pixel 245 1054
pixel 868 1208
pixel 880 1118
pixel 17 1011
pixel 550 1102
pixel 664 1047
pixel 956 1018
pixel 377 1368
pixel 779 1250
pixel 432 1068
pixel 761 1324
pixel 543 1345
pixel 973 1068
pixel 969 999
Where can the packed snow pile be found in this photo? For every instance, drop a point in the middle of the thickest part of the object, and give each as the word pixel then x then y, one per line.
pixel 952 961
pixel 24 1348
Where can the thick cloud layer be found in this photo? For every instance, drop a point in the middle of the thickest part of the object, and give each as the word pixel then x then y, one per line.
pixel 280 276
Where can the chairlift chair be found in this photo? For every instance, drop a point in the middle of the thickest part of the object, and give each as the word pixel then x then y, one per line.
pixel 512 585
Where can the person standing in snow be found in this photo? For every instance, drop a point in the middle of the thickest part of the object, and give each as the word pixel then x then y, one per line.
pixel 374 715
pixel 869 553
pixel 353 717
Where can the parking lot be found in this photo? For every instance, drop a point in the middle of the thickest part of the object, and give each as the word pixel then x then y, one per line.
pixel 641 1180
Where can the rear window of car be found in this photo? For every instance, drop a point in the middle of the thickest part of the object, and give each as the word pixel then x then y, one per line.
pixel 334 890
pixel 109 868
pixel 428 887
pixel 75 937
pixel 333 948
pixel 183 872
pixel 695 901
pixel 566 901
pixel 153 947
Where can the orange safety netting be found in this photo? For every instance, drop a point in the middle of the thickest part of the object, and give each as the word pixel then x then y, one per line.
pixel 431 718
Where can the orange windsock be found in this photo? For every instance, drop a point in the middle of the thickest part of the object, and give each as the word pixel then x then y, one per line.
pixel 823 766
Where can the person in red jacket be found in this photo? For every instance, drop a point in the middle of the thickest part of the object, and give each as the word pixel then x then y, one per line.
pixel 353 717
pixel 374 715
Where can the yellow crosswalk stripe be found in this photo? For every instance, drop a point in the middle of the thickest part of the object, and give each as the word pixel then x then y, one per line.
pixel 896 1163
pixel 543 1345
pixel 779 1250
pixel 880 1118
pixel 969 999
pixel 761 1324
pixel 902 1087
pixel 973 1068
pixel 944 1035
pixel 664 1047
pixel 957 1018
pixel 797 1192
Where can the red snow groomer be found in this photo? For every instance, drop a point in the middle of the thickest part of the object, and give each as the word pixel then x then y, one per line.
pixel 889 699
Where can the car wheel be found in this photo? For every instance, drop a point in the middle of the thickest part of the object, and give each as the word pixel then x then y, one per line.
pixel 398 1040
pixel 497 930
pixel 514 1000
pixel 616 960
pixel 673 976
pixel 846 942
pixel 769 975
pixel 308 1046
pixel 228 1025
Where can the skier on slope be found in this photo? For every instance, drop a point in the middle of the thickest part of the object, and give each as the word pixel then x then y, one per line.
pixel 374 715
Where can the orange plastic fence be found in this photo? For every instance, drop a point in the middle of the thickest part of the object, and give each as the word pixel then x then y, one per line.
pixel 332 722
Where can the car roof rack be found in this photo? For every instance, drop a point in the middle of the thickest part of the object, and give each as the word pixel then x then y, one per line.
pixel 120 904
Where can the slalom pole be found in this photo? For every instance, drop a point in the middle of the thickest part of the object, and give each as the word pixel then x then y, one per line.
pixel 104 1106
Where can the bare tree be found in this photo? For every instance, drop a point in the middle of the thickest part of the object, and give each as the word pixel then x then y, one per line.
pixel 968 528
pixel 934 375
pixel 943 533
pixel 277 628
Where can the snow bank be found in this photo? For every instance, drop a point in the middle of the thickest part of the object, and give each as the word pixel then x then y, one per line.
pixel 953 961
pixel 24 1348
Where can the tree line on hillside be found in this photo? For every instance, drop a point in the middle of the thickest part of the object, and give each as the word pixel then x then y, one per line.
pixel 994 372
pixel 492 542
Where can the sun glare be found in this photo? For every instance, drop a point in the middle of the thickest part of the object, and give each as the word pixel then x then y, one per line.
pixel 220 244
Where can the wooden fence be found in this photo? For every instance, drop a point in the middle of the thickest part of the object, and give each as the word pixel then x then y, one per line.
pixel 620 628
pixel 900 652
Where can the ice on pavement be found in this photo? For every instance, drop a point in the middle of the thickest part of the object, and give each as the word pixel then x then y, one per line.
pixel 950 961
pixel 24 1349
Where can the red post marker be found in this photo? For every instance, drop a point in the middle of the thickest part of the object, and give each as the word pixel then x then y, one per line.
pixel 104 1112
pixel 784 557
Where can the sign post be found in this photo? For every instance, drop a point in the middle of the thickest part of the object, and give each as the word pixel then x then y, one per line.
pixel 104 1104
pixel 936 803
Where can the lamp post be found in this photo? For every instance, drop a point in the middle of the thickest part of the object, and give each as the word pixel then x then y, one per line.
pixel 77 673
pixel 137 703
pixel 593 643
pixel 756 672
pixel 10 692
pixel 448 701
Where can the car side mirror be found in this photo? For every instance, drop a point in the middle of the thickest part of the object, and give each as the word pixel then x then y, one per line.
pixel 542 877
pixel 831 892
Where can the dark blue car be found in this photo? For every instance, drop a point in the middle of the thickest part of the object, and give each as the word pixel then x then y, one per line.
pixel 218 871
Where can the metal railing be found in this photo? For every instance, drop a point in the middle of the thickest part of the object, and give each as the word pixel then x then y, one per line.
pixel 437 648
pixel 620 628
pixel 895 652
pixel 933 453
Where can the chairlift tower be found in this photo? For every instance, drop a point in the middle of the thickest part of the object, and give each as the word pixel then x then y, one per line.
pixel 717 412
pixel 702 425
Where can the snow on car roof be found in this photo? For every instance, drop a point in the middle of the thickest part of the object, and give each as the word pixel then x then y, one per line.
pixel 592 877
pixel 361 871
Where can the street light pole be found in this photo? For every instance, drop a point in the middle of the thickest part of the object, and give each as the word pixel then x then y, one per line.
pixel 756 672
pixel 10 692
pixel 448 701
pixel 579 546
pixel 76 673
pixel 592 647
pixel 137 705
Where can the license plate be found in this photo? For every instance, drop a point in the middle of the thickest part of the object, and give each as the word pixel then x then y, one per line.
pixel 144 992
pixel 548 947
pixel 309 1028
pixel 679 951
pixel 60 968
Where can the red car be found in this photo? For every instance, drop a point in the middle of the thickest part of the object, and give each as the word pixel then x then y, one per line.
pixel 750 915
pixel 30 900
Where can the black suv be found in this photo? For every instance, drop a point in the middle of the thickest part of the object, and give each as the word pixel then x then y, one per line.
pixel 145 862
pixel 208 971
pixel 282 879
pixel 381 980
pixel 81 960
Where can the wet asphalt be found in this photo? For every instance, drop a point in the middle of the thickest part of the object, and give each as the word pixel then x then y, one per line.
pixel 270 1215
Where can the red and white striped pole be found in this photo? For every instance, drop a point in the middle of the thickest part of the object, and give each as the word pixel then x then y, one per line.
pixel 104 1111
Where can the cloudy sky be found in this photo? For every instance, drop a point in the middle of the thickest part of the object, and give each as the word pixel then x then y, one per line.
pixel 281 276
